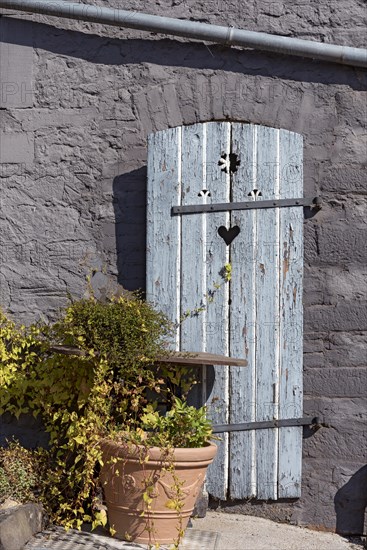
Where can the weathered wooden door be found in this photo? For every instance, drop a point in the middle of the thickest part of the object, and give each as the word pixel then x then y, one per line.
pixel 258 314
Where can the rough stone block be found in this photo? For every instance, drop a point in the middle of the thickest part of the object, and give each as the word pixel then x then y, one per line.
pixel 141 105
pixel 172 105
pixel 350 499
pixel 202 94
pixel 340 489
pixel 351 105
pixel 16 64
pixel 313 343
pixel 311 251
pixel 311 360
pixel 347 316
pixel 16 147
pixel 18 525
pixel 217 95
pixel 345 439
pixel 201 504
pixel 346 349
pixel 340 382
pixel 157 107
pixel 342 178
pixel 349 145
pixel 55 118
pixel 186 95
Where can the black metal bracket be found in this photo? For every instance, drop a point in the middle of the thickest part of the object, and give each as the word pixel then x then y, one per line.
pixel 314 423
pixel 314 203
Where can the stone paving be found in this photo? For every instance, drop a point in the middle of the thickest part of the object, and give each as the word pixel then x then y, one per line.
pixel 56 538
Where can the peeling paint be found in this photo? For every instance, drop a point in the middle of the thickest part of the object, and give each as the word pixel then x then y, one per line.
pixel 261 309
pixel 285 259
pixel 291 232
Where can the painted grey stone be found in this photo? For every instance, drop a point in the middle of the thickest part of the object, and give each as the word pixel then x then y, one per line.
pixel 16 83
pixel 97 92
pixel 348 316
pixel 16 148
pixel 336 382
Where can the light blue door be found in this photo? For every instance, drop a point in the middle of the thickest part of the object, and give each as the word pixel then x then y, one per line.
pixel 258 315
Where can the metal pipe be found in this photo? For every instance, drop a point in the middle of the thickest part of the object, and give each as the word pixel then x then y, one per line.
pixel 189 29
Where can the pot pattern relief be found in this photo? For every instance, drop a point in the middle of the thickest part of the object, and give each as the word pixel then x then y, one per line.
pixel 119 486
pixel 193 488
pixel 122 486
pixel 128 483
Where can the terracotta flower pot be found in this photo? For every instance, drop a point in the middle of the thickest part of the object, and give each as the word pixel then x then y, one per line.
pixel 125 481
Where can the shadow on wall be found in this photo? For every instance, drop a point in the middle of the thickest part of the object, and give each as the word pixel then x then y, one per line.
pixel 350 505
pixel 26 429
pixel 171 52
pixel 129 203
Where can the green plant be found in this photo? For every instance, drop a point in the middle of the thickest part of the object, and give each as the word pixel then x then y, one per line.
pixel 19 354
pixel 21 473
pixel 106 379
pixel 147 457
pixel 126 334
pixel 226 276
pixel 182 426
pixel 91 374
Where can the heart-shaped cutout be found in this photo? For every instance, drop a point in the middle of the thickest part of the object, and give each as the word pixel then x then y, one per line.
pixel 228 235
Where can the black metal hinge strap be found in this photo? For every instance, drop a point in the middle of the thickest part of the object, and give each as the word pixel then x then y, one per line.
pixel 225 206
pixel 315 423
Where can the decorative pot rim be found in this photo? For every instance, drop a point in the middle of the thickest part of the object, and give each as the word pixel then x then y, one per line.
pixel 135 451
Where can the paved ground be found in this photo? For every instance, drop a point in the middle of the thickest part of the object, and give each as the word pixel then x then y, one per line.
pixel 238 532
pixel 218 531
pixel 58 539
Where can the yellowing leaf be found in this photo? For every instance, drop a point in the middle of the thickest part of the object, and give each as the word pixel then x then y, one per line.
pixel 170 504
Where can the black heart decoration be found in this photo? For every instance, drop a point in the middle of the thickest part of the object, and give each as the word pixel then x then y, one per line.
pixel 228 235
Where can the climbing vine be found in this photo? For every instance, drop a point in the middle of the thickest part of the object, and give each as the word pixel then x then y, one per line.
pixel 226 275
pixel 102 382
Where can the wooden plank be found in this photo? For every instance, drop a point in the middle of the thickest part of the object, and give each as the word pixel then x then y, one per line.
pixel 291 316
pixel 201 358
pixel 267 313
pixel 216 318
pixel 68 350
pixel 163 231
pixel 193 241
pixel 264 325
pixel 175 357
pixel 193 249
pixel 243 317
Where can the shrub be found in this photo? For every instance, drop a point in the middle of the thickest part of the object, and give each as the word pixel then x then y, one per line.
pixel 21 473
pixel 103 381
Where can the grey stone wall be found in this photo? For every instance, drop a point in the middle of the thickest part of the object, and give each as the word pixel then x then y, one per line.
pixel 77 103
